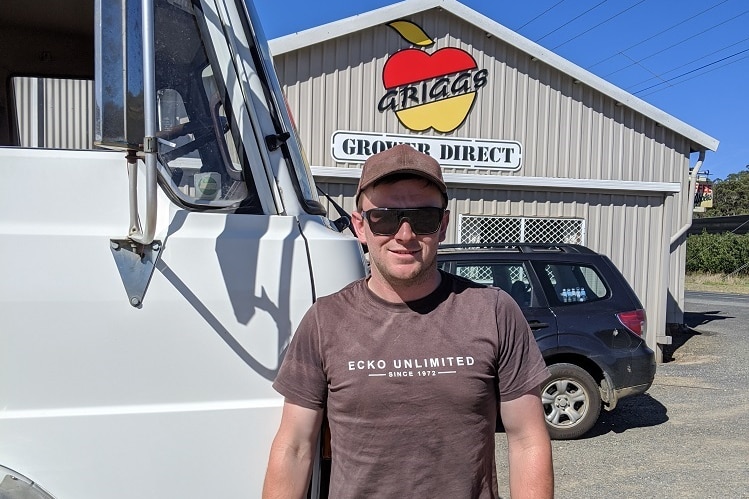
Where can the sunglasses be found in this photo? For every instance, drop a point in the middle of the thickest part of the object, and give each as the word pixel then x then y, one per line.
pixel 387 221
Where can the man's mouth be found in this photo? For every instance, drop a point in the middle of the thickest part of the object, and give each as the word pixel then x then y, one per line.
pixel 405 251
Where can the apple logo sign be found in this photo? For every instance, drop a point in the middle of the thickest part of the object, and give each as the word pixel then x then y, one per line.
pixel 429 90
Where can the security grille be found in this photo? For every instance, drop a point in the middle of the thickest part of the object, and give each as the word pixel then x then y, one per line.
pixel 484 229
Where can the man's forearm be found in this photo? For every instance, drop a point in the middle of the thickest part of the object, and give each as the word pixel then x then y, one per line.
pixel 288 474
pixel 531 470
pixel 292 453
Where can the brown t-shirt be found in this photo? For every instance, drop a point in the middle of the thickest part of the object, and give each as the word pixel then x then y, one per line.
pixel 412 389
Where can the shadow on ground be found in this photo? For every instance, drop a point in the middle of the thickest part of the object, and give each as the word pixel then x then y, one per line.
pixel 692 321
pixel 639 411
pixel 678 338
pixel 697 319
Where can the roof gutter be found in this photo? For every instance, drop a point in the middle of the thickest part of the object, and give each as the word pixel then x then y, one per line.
pixel 690 198
pixel 336 174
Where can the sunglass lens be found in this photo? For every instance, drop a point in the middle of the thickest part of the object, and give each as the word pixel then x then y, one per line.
pixel 383 222
pixel 387 221
pixel 425 220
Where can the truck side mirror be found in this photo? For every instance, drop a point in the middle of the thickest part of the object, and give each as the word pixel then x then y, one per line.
pixel 118 91
pixel 123 96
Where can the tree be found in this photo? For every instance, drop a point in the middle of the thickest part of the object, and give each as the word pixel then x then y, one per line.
pixel 730 196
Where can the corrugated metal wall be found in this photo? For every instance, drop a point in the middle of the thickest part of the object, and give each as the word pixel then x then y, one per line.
pixel 567 130
pixel 54 113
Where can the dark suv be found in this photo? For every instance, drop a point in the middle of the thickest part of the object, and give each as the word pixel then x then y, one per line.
pixel 586 318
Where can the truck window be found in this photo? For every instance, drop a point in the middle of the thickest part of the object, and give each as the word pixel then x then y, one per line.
pixel 199 147
pixel 200 153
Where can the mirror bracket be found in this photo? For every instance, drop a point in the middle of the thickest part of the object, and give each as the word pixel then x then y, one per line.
pixel 136 263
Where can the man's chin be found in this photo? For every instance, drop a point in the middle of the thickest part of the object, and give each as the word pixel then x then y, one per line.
pixel 407 275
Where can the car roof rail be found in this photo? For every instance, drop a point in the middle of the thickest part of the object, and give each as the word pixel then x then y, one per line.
pixel 520 247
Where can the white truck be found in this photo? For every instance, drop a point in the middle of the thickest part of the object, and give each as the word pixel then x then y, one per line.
pixel 150 282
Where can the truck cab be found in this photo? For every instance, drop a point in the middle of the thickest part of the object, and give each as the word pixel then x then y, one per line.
pixel 160 239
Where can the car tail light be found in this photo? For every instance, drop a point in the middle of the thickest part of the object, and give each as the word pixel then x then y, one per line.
pixel 635 321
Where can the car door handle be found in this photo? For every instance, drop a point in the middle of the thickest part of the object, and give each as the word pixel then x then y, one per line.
pixel 537 324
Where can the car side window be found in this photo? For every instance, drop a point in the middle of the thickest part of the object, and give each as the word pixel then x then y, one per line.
pixel 572 283
pixel 510 277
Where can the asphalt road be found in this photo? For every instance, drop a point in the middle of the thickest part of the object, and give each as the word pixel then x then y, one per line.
pixel 688 436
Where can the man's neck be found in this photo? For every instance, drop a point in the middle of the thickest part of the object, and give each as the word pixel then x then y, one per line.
pixel 394 292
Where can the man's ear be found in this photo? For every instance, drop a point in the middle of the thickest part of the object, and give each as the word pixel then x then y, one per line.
pixel 445 223
pixel 357 222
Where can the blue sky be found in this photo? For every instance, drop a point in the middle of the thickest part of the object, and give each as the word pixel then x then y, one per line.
pixel 689 58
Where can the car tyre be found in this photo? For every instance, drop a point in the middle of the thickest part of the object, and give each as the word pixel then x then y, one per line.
pixel 571 400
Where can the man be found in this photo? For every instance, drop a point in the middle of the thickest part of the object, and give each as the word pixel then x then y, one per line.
pixel 411 364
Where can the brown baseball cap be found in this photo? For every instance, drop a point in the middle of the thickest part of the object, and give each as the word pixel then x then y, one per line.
pixel 400 159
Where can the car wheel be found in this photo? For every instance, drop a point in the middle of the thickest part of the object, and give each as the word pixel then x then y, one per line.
pixel 572 401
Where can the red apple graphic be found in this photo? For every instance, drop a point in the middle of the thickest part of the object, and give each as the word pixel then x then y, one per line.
pixel 411 66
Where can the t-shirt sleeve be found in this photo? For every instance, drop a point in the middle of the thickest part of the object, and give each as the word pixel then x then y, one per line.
pixel 520 366
pixel 301 379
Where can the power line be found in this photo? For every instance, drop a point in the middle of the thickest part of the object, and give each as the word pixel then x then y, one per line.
pixel 655 35
pixel 599 24
pixel 697 69
pixel 542 13
pixel 677 43
pixel 572 20
pixel 634 62
pixel 682 65
pixel 695 76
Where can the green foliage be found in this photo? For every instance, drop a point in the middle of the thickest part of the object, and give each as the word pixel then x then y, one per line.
pixel 718 253
pixel 730 196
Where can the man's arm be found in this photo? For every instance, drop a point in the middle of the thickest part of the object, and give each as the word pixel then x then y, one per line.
pixel 529 447
pixel 292 453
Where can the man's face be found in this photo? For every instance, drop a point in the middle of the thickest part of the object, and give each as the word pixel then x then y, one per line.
pixel 404 260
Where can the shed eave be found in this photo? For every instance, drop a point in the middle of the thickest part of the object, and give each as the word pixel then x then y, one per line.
pixel 322 173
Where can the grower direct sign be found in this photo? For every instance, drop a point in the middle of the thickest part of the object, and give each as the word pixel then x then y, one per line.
pixel 356 147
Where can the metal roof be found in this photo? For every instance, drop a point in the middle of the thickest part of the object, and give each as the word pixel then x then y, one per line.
pixel 343 27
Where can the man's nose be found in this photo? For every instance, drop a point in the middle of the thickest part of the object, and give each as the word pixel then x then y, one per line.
pixel 405 232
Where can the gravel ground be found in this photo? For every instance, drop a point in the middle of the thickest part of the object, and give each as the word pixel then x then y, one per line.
pixel 688 436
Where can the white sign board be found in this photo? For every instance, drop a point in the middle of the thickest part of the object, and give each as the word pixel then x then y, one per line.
pixel 356 147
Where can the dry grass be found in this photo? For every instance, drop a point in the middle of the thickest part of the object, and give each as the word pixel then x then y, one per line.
pixel 717 283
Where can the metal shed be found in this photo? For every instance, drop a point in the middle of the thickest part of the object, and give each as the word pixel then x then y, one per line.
pixel 533 147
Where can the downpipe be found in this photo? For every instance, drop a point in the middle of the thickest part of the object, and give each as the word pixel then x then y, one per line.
pixel 692 185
